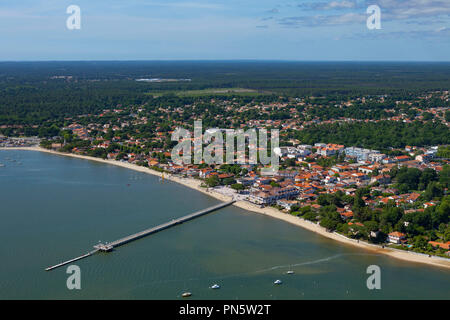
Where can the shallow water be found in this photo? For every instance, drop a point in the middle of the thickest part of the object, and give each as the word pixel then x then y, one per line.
pixel 54 208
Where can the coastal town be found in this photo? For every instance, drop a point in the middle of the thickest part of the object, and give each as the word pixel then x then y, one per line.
pixel 397 197
pixel 226 159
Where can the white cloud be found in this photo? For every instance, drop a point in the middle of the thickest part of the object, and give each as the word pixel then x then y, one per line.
pixel 324 20
pixel 340 4
pixel 349 12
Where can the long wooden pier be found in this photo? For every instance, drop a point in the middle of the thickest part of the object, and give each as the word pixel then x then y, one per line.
pixel 72 260
pixel 111 245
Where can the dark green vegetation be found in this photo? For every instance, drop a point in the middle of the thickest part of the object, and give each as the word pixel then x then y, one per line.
pixel 230 92
pixel 420 226
pixel 40 98
pixel 444 152
pixel 29 93
pixel 377 135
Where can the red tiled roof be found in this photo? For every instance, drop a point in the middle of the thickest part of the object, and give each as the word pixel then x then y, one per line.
pixel 445 246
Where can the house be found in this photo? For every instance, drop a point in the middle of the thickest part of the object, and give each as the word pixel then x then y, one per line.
pixel 402 158
pixel 329 149
pixel 112 155
pixel 413 197
pixel 273 194
pixel 445 246
pixel 246 181
pixel 262 198
pixel 428 204
pixel 381 179
pixel 223 176
pixel 366 170
pixel 176 169
pixel 396 237
pixel 262 180
pixel 205 172
pixel 192 172
pixel 359 153
pixel 374 234
pixel 350 191
pixel 376 157
pixel 424 157
pixel 308 196
pixel 287 174
pixel 286 204
pixel 284 193
pixel 347 215
pixel 341 168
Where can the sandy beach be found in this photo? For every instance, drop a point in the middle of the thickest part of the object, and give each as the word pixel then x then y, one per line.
pixel 271 212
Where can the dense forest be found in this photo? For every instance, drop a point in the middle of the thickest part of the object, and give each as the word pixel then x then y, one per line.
pixel 40 98
pixel 378 135
pixel 32 92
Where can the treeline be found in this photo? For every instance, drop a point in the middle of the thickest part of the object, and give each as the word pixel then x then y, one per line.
pixel 412 179
pixel 377 135
pixel 444 152
pixel 31 95
pixel 36 104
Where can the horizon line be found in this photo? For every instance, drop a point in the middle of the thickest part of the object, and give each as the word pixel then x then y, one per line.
pixel 225 60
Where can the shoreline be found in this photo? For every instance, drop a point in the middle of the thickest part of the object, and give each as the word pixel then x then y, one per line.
pixel 268 211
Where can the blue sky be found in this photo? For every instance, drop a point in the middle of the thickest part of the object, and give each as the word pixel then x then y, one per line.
pixel 412 30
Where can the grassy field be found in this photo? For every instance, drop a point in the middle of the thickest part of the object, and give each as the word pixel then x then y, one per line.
pixel 211 92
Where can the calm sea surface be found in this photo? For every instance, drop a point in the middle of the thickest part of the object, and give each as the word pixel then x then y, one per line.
pixel 55 208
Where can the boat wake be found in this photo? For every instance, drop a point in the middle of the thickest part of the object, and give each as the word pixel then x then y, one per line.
pixel 268 269
pixel 290 266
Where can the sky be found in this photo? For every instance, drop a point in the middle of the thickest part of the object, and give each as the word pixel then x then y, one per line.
pixel 304 30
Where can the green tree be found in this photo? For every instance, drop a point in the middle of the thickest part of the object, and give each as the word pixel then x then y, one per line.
pixel 212 181
pixel 447 115
pixel 328 224
pixel 432 191
pixel 237 186
pixel 444 176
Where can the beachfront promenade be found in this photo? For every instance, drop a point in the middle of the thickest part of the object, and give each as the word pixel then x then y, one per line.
pixel 111 245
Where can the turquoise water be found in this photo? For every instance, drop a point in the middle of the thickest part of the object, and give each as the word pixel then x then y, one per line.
pixel 55 208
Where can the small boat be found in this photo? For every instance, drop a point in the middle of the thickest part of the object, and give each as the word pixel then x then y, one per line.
pixel 277 282
pixel 215 286
pixel 186 294
pixel 290 272
pixel 2 165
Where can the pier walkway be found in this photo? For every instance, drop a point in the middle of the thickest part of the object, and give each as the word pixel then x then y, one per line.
pixel 72 260
pixel 111 245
